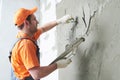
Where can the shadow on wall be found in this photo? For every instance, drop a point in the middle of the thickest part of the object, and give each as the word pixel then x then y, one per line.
pixel 92 56
pixel 91 61
pixel 86 60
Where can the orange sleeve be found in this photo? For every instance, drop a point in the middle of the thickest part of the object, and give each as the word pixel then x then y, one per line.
pixel 38 33
pixel 28 55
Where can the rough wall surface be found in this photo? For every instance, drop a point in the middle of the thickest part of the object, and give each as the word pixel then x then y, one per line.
pixel 98 58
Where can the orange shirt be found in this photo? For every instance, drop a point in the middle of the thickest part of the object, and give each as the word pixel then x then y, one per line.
pixel 24 55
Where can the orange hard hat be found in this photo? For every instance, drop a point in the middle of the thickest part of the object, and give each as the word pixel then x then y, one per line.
pixel 22 14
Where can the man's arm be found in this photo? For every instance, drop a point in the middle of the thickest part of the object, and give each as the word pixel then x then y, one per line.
pixel 52 24
pixel 48 26
pixel 40 72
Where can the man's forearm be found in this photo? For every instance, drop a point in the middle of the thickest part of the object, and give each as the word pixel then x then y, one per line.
pixel 47 70
pixel 40 72
pixel 49 26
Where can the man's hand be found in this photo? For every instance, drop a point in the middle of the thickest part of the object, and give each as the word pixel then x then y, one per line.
pixel 65 19
pixel 62 63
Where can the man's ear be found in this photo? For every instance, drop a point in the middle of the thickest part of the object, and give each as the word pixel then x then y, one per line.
pixel 26 22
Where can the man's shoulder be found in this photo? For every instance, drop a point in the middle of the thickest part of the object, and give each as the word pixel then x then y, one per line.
pixel 25 42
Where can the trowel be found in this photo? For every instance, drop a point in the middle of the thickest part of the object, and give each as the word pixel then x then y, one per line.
pixel 70 50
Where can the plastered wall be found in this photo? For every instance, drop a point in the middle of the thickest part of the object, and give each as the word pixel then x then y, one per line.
pixel 98 58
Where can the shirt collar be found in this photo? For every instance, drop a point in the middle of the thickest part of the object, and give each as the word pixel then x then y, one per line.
pixel 24 35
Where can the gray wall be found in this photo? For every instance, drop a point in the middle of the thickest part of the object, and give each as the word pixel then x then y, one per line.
pixel 98 58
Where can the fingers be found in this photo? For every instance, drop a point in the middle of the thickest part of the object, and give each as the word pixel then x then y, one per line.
pixel 69 61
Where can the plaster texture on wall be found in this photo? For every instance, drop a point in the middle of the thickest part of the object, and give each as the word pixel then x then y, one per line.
pixel 97 58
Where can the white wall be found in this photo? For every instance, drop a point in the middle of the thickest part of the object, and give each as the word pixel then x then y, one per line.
pixel 48 39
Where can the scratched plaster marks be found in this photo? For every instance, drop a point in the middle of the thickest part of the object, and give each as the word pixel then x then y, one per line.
pixel 88 15
pixel 92 52
pixel 73 29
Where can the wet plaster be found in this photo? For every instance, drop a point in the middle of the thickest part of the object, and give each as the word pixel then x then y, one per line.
pixel 98 21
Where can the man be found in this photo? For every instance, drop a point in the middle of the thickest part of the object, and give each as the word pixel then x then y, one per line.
pixel 25 53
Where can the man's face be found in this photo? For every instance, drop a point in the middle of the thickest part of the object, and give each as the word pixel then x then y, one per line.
pixel 33 24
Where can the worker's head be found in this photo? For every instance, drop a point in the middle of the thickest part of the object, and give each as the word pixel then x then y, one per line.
pixel 25 17
pixel 23 14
